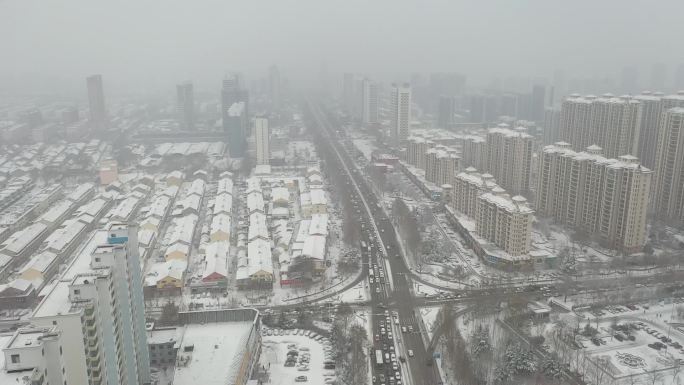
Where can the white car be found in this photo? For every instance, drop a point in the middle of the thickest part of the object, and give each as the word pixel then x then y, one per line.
pixel 410 353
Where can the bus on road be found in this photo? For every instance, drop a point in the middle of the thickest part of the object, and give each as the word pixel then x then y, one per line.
pixel 378 357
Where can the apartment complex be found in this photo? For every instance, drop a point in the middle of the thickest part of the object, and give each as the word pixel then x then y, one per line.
pixel 96 311
pixel 613 123
pixel 473 151
pixel 595 194
pixel 441 164
pixel 500 219
pixel 509 157
pixel 401 113
pixel 416 149
pixel 669 185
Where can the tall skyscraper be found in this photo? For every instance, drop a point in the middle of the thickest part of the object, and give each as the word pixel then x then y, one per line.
pixel 96 311
pixel 602 197
pixel 369 105
pixel 262 140
pixel 669 191
pixel 401 113
pixel 233 91
pixel 609 122
pixel 96 102
pixel 551 126
pixel 649 126
pixel 275 87
pixel 236 129
pixel 446 111
pixel 509 157
pixel 185 105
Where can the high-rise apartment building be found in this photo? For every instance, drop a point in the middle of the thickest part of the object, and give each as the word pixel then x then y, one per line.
pixel 551 126
pixel 369 102
pixel 503 220
pixel 649 126
pixel 609 122
pixel 96 102
pixel 416 148
pixel 473 151
pixel 262 140
pixel 509 157
pixel 232 91
pixel 441 165
pixel 401 113
pixel 602 197
pixel 96 314
pixel 235 125
pixel 446 111
pixel 185 105
pixel 669 186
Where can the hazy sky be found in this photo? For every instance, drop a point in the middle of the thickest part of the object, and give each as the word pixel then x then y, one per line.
pixel 50 46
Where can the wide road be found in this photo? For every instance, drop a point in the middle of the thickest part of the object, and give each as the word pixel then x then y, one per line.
pixel 392 303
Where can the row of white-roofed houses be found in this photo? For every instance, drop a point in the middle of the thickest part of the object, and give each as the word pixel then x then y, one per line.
pixel 39 249
pixel 210 270
pixel 254 258
pixel 166 275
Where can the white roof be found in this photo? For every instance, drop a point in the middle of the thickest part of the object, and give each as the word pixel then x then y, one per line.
pixel 225 185
pixel 197 187
pixel 81 191
pixel 223 203
pixel 253 184
pixel 174 268
pixel 154 221
pixel 217 354
pixel 216 259
pixel 40 262
pixel 319 224
pixel 280 194
pixel 93 208
pixel 184 249
pixel 257 226
pixel 18 241
pixel 258 259
pixel 305 199
pixel 255 202
pixel 125 209
pixel 61 238
pixel 220 222
pixel 176 174
pixel 318 197
pixel 159 206
pixel 145 236
pixel 314 247
pixel 58 211
pixel 184 229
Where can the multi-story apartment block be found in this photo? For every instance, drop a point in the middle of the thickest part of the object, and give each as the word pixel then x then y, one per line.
pixel 503 220
pixel 668 196
pixel 594 194
pixel 609 122
pixel 509 157
pixel 473 151
pixel 416 148
pixel 441 164
pixel 97 308
pixel 401 113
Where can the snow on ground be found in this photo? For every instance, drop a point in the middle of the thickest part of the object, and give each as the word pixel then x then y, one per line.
pixel 429 315
pixel 274 354
pixel 358 293
pixel 424 290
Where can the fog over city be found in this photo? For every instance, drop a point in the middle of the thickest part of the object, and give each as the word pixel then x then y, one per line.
pixel 341 192
pixel 145 45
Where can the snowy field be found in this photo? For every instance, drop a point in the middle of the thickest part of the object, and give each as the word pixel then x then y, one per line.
pixel 274 354
pixel 429 315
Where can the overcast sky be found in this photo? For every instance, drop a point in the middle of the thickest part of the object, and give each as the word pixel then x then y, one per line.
pixel 51 45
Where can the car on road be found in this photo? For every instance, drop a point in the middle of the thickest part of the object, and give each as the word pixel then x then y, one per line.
pixel 301 379
pixel 403 329
pixel 397 375
pixel 410 353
